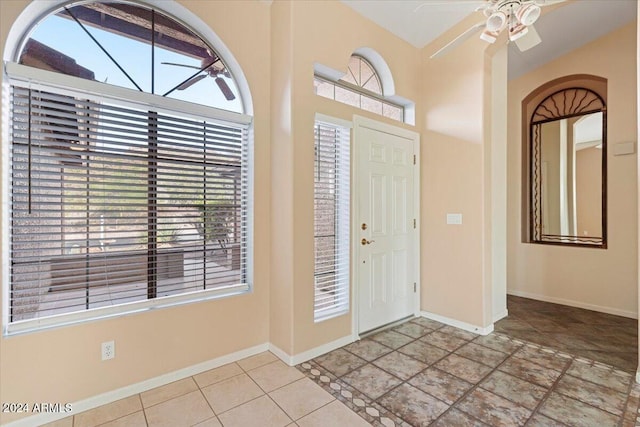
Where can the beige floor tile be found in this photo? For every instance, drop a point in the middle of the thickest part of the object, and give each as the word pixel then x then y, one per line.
pixel 137 419
pixel 218 374
pixel 301 398
pixel 211 422
pixel 333 414
pixel 275 375
pixel 167 392
pixel 109 412
pixel 65 422
pixel 187 410
pixel 257 360
pixel 232 392
pixel 259 412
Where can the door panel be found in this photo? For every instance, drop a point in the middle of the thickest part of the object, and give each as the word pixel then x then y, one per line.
pixel 378 221
pixel 400 205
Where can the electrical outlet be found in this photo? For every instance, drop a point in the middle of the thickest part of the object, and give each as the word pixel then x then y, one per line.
pixel 108 350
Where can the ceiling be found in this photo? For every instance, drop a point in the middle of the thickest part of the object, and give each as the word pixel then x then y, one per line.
pixel 566 28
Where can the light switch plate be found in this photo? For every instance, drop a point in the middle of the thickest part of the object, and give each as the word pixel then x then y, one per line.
pixel 454 218
pixel 622 148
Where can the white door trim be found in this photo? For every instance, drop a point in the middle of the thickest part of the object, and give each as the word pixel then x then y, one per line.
pixel 360 123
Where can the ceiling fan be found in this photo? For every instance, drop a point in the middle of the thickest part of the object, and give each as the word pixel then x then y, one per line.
pixel 213 67
pixel 515 16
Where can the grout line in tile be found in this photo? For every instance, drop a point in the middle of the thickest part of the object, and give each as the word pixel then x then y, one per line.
pixel 472 389
pixel 627 401
pixel 282 409
pixel 218 382
pixel 317 409
pixel 548 393
pixel 234 407
pixel 206 400
pixel 116 419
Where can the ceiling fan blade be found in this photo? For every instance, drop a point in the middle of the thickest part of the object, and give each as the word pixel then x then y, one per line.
pixel 180 65
pixel 448 3
pixel 191 82
pixel 225 89
pixel 543 3
pixel 459 40
pixel 529 40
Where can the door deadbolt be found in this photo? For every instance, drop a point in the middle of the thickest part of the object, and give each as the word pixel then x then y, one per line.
pixel 366 242
pixel 363 226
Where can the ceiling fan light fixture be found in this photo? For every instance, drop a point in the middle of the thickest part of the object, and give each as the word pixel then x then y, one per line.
pixel 489 36
pixel 517 31
pixel 528 14
pixel 496 21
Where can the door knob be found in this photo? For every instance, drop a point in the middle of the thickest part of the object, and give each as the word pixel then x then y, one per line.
pixel 366 242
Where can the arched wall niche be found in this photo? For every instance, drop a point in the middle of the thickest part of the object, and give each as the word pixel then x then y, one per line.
pixel 529 104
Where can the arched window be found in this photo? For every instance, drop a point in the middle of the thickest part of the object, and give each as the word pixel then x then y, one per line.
pixel 131 46
pixel 128 167
pixel 359 87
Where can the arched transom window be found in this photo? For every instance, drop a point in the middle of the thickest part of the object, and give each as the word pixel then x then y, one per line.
pixel 359 87
pixel 361 74
pixel 128 167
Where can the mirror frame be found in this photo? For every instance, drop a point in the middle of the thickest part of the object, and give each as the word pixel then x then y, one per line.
pixel 565 103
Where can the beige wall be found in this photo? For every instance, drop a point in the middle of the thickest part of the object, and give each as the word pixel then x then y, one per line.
pixel 462 154
pixel 282 179
pixel 63 364
pixel 637 159
pixel 594 278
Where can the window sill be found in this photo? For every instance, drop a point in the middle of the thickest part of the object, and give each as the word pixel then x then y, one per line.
pixel 61 320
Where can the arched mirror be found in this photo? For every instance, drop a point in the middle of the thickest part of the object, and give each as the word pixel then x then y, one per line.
pixel 568 169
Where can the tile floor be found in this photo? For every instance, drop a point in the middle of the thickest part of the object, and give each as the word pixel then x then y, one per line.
pixel 254 392
pixel 418 373
pixel 424 373
pixel 598 336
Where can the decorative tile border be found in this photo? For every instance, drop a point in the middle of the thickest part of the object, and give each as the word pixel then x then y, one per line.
pixel 355 400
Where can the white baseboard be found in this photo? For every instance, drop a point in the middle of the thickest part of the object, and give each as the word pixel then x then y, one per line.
pixel 130 390
pixel 573 303
pixel 501 315
pixel 282 355
pixel 310 354
pixel 458 324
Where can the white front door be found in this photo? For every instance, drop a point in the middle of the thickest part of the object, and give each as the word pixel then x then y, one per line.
pixel 386 228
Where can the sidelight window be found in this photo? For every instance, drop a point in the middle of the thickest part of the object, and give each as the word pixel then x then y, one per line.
pixel 331 220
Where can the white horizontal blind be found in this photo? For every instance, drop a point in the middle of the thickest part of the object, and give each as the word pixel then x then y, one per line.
pixel 331 220
pixel 113 204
